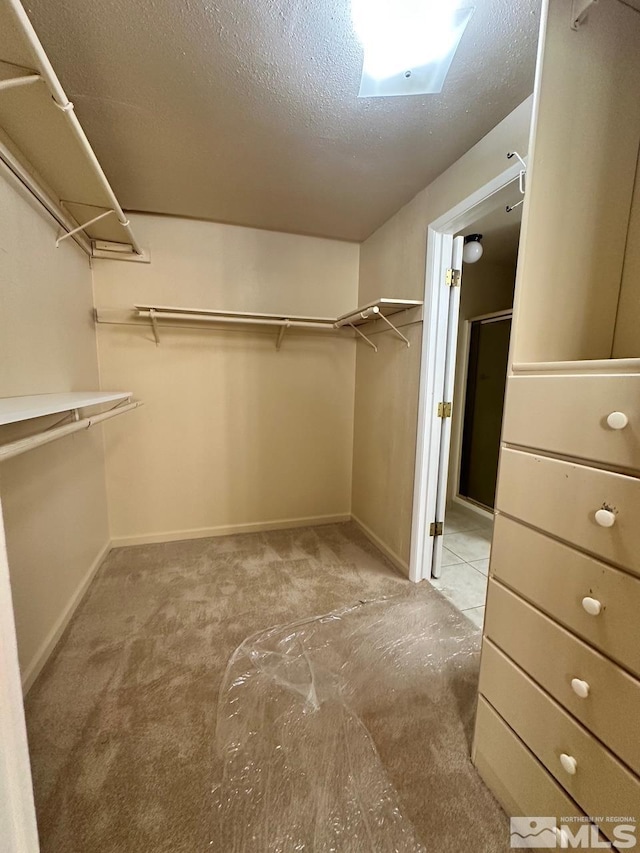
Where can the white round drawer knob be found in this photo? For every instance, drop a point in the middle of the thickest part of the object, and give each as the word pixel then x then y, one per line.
pixel 617 420
pixel 580 688
pixel 569 764
pixel 591 605
pixel 605 518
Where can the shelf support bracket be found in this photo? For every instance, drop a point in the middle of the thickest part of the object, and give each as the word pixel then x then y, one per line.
pixel 395 329
pixel 364 338
pixel 23 80
pixel 521 180
pixel 579 11
pixel 281 331
pixel 154 325
pixel 82 227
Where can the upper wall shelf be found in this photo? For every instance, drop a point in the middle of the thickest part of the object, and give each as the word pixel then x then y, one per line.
pixel 43 144
pixel 15 409
pixel 380 309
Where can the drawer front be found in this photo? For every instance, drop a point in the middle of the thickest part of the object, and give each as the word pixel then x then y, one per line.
pixel 512 773
pixel 568 415
pixel 554 658
pixel 601 785
pixel 556 578
pixel 562 498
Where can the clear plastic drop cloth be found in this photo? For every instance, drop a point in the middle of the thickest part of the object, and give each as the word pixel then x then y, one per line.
pixel 300 709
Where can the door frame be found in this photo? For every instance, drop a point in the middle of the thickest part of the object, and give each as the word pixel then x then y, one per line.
pixel 17 810
pixel 457 433
pixel 432 360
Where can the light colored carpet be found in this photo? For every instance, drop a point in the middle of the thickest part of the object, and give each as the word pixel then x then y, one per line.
pixel 122 720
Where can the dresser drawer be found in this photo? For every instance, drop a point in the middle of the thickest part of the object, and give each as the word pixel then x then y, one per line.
pixel 568 415
pixel 562 498
pixel 601 784
pixel 512 773
pixel 556 578
pixel 554 658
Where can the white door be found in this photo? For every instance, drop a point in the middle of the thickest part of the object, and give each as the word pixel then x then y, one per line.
pixel 447 343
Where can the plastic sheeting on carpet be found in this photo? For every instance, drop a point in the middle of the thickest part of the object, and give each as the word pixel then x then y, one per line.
pixel 301 771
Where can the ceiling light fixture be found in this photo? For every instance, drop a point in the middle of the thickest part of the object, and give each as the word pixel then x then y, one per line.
pixel 408 44
pixel 473 250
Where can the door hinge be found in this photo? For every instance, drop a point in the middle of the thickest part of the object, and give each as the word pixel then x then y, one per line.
pixel 444 410
pixel 453 277
pixel 435 528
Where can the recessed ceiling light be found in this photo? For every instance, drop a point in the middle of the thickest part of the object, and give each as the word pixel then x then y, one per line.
pixel 408 44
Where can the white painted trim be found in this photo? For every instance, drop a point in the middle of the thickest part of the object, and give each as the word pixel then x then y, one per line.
pixel 229 530
pixel 397 561
pixel 18 829
pixel 439 239
pixel 34 667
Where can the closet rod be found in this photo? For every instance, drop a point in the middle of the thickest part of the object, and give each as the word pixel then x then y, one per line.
pixel 15 448
pixel 244 321
pixel 45 69
pixel 18 171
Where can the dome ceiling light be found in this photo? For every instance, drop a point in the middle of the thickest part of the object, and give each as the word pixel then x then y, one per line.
pixel 473 250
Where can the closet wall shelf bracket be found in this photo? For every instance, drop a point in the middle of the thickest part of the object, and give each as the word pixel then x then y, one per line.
pixel 364 337
pixel 521 180
pixel 579 12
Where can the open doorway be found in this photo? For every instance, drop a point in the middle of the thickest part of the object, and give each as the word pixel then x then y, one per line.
pixel 453 512
pixel 482 356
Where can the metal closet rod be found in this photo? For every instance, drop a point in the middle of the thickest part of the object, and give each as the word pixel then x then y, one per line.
pixel 21 174
pixel 49 76
pixel 15 448
pixel 254 321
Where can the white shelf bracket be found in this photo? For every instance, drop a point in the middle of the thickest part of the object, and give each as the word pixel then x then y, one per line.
pixel 395 329
pixel 281 331
pixel 154 325
pixel 22 80
pixel 521 180
pixel 82 227
pixel 364 338
pixel 579 12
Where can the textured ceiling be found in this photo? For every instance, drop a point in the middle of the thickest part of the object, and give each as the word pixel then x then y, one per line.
pixel 247 112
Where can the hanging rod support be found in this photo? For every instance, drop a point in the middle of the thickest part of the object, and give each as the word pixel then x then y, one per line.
pixel 364 337
pixel 521 180
pixel 395 329
pixel 283 329
pixel 154 325
pixel 82 227
pixel 24 80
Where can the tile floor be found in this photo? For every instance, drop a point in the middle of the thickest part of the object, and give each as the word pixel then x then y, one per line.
pixel 465 561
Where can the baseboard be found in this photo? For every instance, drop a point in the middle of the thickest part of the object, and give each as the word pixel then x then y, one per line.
pixel 34 668
pixel 473 507
pixel 229 530
pixel 397 561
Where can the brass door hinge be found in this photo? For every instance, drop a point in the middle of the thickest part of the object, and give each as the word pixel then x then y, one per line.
pixel 435 528
pixel 444 410
pixel 453 277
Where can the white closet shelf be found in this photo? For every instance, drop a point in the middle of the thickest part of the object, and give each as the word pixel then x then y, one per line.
pixel 386 307
pixel 15 409
pixel 380 309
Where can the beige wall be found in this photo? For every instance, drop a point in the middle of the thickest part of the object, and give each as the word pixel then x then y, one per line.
pixel 486 287
pixel 392 263
pixel 54 497
pixel 233 433
pixel 626 338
